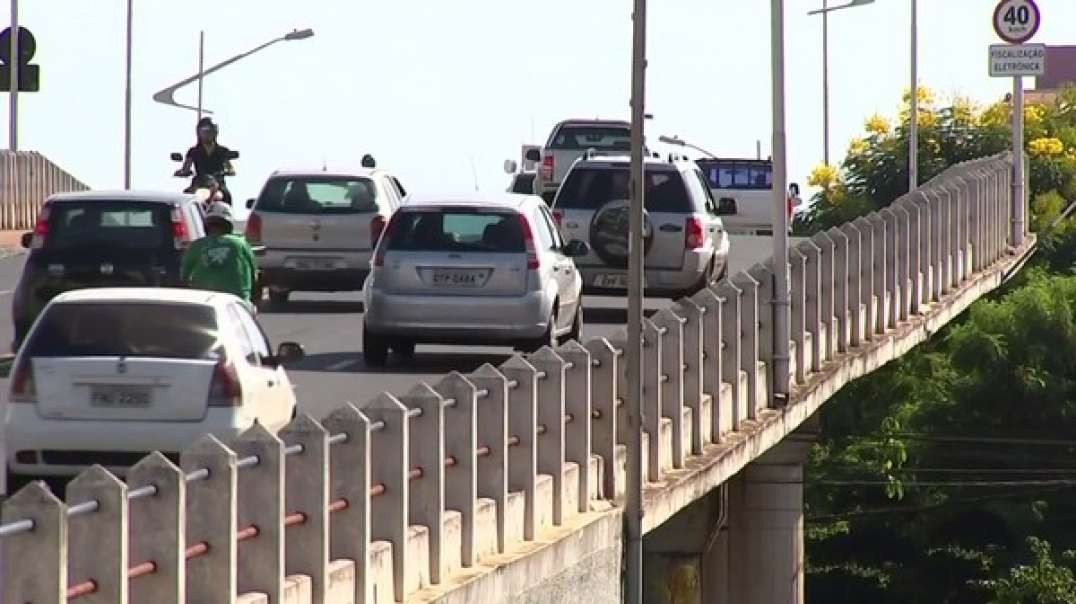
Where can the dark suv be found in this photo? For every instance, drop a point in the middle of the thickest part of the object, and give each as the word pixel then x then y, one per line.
pixel 103 239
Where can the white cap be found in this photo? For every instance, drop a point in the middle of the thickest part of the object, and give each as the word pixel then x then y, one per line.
pixel 219 210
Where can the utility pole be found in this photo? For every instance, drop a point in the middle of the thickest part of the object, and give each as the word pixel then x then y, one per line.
pixel 781 308
pixel 634 396
pixel 127 101
pixel 913 116
pixel 1018 161
pixel 201 70
pixel 825 81
pixel 13 70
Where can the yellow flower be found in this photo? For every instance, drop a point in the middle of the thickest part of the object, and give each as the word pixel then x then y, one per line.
pixel 858 146
pixel 925 96
pixel 964 109
pixel 877 125
pixel 1046 147
pixel 997 114
pixel 823 176
pixel 1033 115
pixel 927 118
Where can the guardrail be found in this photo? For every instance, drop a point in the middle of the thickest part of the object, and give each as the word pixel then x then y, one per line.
pixel 373 504
pixel 26 179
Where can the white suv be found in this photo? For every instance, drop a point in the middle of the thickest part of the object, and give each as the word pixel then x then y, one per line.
pixel 319 229
pixel 686 244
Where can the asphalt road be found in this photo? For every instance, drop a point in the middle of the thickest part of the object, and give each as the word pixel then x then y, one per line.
pixel 330 327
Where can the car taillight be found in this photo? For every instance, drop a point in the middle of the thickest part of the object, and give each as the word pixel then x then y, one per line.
pixel 253 231
pixel 23 389
pixel 377 225
pixel 557 218
pixel 547 167
pixel 382 242
pixel 225 389
pixel 695 237
pixel 181 236
pixel 533 262
pixel 41 228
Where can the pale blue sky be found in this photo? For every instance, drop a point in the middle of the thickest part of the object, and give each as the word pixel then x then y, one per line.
pixel 428 86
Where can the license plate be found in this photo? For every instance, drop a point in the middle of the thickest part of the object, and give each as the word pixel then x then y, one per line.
pixel 119 397
pixel 312 264
pixel 611 280
pixel 458 278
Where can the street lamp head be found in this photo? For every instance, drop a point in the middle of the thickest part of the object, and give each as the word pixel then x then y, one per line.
pixel 671 140
pixel 852 4
pixel 299 34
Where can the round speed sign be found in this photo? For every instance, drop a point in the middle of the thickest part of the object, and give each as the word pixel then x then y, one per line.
pixel 1016 21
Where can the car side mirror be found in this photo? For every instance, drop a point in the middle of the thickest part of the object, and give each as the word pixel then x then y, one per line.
pixel 176 157
pixel 726 207
pixel 510 166
pixel 250 203
pixel 27 240
pixel 576 248
pixel 289 352
pixel 233 155
pixel 533 155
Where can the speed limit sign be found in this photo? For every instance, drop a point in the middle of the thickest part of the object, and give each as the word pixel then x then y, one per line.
pixel 1016 21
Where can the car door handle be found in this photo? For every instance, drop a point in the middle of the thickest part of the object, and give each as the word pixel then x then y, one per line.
pixel 671 228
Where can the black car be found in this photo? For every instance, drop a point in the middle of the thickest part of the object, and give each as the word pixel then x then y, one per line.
pixel 104 239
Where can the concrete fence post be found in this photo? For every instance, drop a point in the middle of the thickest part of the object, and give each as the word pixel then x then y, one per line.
pixel 694 318
pixel 797 286
pixel 880 271
pixel 938 249
pixel 426 497
pixel 605 399
pixel 492 468
pixel 522 427
pixel 826 298
pixel 672 379
pixel 261 510
pixel 914 251
pixel 461 442
pixel 711 306
pixel 577 422
pixel 857 291
pixel 887 221
pixel 551 369
pixel 731 352
pixel 652 408
pixel 623 429
pixel 958 227
pixel 843 300
pixel 900 279
pixel 306 482
pixel 211 521
pixel 390 462
pixel 349 482
pixel 927 251
pixel 977 182
pixel 158 531
pixel 98 541
pixel 754 332
pixel 871 301
pixel 812 304
pixel 44 580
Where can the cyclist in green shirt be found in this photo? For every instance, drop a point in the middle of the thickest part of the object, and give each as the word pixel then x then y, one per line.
pixel 221 261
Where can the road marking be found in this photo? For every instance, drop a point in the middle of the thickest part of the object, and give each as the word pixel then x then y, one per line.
pixel 337 366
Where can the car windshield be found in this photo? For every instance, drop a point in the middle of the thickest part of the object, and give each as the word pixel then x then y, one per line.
pixel 742 175
pixel 592 188
pixel 125 329
pixel 109 224
pixel 456 230
pixel 318 195
pixel 523 183
pixel 602 138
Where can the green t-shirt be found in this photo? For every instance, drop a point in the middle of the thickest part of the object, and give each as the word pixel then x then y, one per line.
pixel 223 263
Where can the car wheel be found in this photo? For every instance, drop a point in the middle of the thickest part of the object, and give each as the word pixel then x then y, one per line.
pixel 404 348
pixel 375 349
pixel 278 297
pixel 549 338
pixel 577 325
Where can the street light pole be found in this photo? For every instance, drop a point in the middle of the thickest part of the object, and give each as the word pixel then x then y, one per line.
pixel 13 80
pixel 781 308
pixel 825 82
pixel 201 70
pixel 913 114
pixel 127 102
pixel 634 396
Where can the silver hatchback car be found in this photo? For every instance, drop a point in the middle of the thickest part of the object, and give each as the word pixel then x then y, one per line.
pixel 472 270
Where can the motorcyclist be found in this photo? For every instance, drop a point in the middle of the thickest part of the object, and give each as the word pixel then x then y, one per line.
pixel 221 261
pixel 209 158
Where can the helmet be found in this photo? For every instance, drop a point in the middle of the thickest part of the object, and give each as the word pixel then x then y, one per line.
pixel 207 123
pixel 219 211
pixel 368 161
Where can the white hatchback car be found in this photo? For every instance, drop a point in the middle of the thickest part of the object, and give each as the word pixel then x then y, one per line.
pixel 472 270
pixel 107 375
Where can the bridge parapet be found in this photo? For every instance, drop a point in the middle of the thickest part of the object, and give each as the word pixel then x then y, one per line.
pixel 447 492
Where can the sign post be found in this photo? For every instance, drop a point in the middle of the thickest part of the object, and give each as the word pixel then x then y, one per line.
pixel 1016 22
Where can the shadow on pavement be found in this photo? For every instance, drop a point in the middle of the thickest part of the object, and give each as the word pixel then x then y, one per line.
pixel 423 362
pixel 314 307
pixel 610 316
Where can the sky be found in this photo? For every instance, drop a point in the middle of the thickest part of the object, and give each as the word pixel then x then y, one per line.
pixel 441 93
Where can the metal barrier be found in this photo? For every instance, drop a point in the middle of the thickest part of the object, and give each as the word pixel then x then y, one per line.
pixel 382 501
pixel 27 178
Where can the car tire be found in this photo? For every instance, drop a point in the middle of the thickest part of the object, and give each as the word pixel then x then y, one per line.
pixel 404 348
pixel 278 298
pixel 375 349
pixel 577 325
pixel 549 338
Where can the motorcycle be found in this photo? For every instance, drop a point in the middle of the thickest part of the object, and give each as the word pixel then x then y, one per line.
pixel 197 186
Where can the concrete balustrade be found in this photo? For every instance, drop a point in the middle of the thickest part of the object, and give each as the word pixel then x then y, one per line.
pixel 426 492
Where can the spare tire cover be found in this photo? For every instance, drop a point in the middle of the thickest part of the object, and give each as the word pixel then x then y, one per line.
pixel 609 233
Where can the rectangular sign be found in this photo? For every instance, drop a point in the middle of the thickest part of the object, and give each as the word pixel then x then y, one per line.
pixel 1011 60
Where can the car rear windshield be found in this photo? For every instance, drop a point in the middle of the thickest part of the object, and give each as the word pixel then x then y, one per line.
pixel 319 195
pixel 176 331
pixel 615 138
pixel 523 183
pixel 451 230
pixel 591 188
pixel 109 224
pixel 743 175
